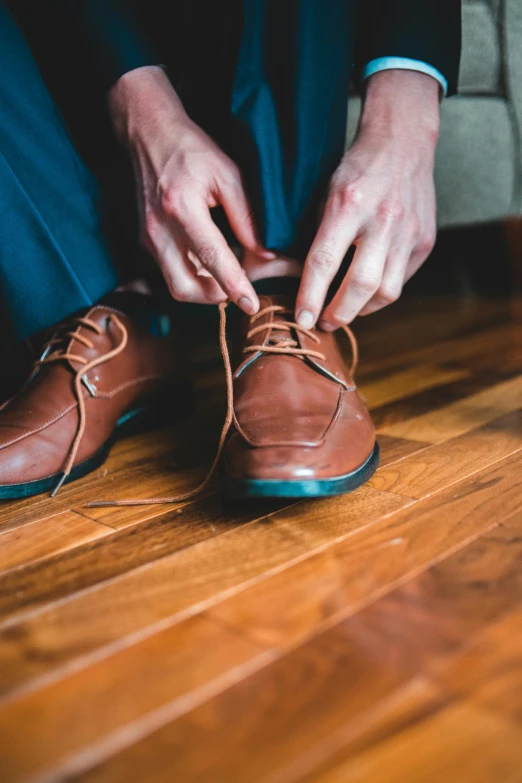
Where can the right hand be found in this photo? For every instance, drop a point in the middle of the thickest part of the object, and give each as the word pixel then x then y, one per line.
pixel 180 174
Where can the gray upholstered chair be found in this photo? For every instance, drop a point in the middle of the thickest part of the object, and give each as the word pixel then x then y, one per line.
pixel 479 158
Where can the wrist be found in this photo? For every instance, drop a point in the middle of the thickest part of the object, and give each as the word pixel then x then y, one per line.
pixel 402 105
pixel 142 103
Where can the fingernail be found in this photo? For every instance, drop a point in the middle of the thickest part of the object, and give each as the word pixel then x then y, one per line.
pixel 268 255
pixel 305 319
pixel 327 327
pixel 247 305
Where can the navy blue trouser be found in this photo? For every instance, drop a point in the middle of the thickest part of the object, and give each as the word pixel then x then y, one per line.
pixel 54 252
pixel 276 101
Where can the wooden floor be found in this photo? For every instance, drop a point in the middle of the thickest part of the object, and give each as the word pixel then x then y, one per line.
pixel 372 638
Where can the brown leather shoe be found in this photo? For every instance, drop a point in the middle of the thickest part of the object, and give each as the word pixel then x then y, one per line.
pixel 300 427
pixel 98 376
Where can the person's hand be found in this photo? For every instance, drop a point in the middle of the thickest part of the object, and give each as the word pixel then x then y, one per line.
pixel 381 199
pixel 180 174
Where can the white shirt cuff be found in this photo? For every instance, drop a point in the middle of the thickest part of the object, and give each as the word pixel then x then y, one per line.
pixel 405 64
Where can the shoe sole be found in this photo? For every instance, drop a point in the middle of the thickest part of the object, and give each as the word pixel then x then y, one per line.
pixel 316 488
pixel 156 414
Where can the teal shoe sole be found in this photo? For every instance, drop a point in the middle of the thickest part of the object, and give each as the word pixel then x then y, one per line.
pixel 158 412
pixel 306 488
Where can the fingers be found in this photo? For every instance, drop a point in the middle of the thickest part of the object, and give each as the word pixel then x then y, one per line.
pixel 399 267
pixel 233 199
pixel 206 241
pixel 390 287
pixel 361 282
pixel 181 274
pixel 336 234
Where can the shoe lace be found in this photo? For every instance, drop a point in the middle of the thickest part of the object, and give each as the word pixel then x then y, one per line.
pixel 53 353
pixel 279 345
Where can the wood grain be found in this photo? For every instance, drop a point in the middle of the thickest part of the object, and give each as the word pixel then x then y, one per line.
pixel 461 416
pixel 173 586
pixel 294 712
pixel 166 666
pixel 443 464
pixel 399 637
pixel 414 379
pixel 123 551
pixel 369 561
pixel 46 538
pixel 372 637
pixel 463 744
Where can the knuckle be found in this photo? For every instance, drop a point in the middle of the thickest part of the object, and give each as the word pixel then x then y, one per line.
pixel 230 175
pixel 171 200
pixel 209 256
pixel 389 292
pixel 389 212
pixel 348 195
pixel 322 260
pixel 365 284
pixel 426 242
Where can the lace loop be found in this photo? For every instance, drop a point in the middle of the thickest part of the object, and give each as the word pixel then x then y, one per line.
pixel 281 344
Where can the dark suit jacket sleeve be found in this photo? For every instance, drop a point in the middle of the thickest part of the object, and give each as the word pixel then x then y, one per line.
pixel 110 34
pixel 102 39
pixel 427 30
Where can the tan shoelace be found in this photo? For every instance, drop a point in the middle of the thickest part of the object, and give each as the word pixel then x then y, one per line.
pixel 49 356
pixel 280 346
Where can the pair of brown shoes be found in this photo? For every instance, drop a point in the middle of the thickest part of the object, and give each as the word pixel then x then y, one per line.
pixel 296 426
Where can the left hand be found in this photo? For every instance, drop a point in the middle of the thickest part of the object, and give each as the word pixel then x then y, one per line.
pixel 381 199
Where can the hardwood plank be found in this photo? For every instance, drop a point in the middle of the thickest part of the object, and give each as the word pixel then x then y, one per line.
pixel 489 673
pixel 40 731
pixel 412 704
pixel 395 386
pixel 414 326
pixel 486 675
pixel 122 551
pixel 462 416
pixel 47 537
pixel 463 744
pixel 287 712
pixel 153 476
pixel 435 399
pixel 394 449
pixel 441 465
pixel 76 624
pixel 451 349
pixel 296 712
pixel 178 584
pixel 370 561
pixel 150 540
